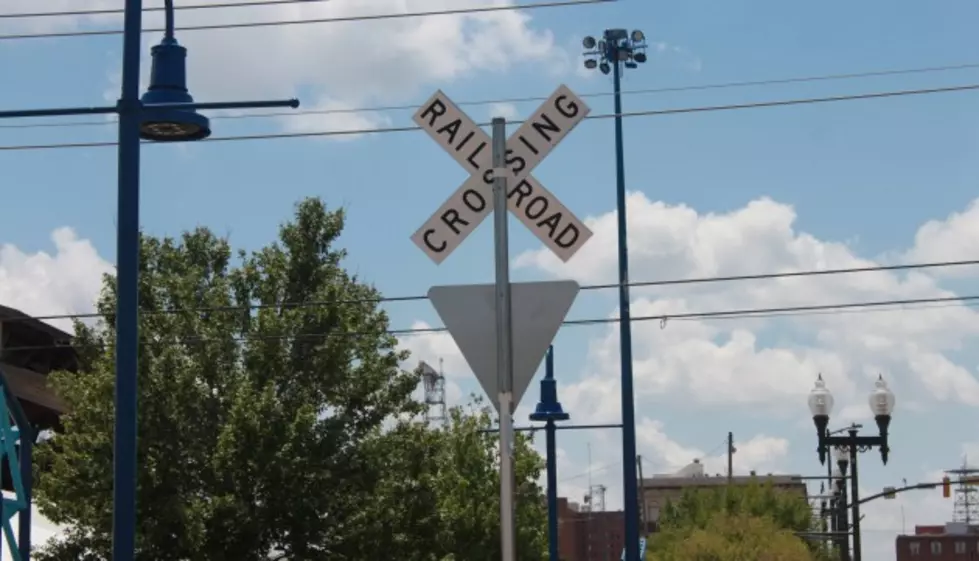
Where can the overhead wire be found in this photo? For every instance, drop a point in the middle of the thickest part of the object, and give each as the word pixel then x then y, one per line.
pixel 109 11
pixel 312 21
pixel 606 286
pixel 745 313
pixel 538 98
pixel 628 114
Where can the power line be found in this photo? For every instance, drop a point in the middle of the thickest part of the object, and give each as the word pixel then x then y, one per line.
pixel 107 11
pixel 341 19
pixel 643 91
pixel 648 113
pixel 746 313
pixel 635 284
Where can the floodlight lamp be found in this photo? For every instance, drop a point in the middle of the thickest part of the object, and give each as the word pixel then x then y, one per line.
pixel 638 36
pixel 605 68
pixel 631 65
pixel 616 34
pixel 639 57
pixel 588 42
pixel 590 63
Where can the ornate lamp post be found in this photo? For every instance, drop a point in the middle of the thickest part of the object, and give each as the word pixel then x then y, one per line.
pixel 881 405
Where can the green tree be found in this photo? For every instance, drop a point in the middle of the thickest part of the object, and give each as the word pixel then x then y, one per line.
pixel 730 537
pixel 257 429
pixel 756 522
pixel 440 501
pixel 697 506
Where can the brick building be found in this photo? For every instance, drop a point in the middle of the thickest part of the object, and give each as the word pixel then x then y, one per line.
pixel 585 535
pixel 955 541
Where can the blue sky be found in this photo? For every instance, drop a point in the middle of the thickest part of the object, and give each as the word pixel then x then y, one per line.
pixel 731 192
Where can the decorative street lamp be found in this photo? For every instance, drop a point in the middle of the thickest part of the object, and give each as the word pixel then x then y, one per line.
pixel 549 410
pixel 168 84
pixel 881 405
pixel 616 49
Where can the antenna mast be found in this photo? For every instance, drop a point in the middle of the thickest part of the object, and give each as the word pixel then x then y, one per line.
pixel 434 386
pixel 966 493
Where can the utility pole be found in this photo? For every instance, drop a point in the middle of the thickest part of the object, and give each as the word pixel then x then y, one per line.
pixel 730 457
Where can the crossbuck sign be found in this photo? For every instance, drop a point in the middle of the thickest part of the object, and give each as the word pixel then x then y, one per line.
pixel 534 205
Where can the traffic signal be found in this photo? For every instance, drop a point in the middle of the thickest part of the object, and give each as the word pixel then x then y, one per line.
pixel 946 487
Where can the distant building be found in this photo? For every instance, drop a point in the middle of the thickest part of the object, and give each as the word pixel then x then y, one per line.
pixel 29 350
pixel 955 541
pixel 660 489
pixel 585 535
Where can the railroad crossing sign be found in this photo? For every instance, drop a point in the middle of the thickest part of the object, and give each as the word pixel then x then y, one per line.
pixel 535 206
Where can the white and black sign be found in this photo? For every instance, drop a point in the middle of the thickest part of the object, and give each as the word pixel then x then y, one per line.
pixel 470 146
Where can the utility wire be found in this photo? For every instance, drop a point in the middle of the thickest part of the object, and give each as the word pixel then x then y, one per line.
pixel 747 313
pixel 648 113
pixel 278 23
pixel 643 91
pixel 420 297
pixel 106 11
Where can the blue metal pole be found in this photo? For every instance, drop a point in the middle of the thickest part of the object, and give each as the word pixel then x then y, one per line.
pixel 127 292
pixel 631 495
pixel 551 457
pixel 27 477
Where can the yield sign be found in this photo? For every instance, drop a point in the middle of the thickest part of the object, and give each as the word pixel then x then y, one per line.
pixel 469 145
pixel 469 312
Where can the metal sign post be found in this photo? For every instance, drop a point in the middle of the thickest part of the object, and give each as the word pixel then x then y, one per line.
pixel 504 338
pixel 503 330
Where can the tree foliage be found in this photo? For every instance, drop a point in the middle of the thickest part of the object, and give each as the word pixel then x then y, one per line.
pixel 268 428
pixel 697 506
pixel 444 503
pixel 733 523
pixel 730 537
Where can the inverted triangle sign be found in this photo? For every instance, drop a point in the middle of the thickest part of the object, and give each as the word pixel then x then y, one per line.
pixel 469 313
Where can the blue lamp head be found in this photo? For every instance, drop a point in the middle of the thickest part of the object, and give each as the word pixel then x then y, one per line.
pixel 168 84
pixel 549 408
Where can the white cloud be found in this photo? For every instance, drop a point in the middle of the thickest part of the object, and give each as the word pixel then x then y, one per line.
pixel 956 238
pixel 506 110
pixel 762 361
pixel 761 453
pixel 42 284
pixel 355 63
pixel 333 115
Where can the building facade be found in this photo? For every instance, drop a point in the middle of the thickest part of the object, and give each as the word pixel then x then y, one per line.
pixel 955 541
pixel 585 535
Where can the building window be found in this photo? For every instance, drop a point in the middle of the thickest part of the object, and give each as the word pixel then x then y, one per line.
pixel 936 548
pixel 960 547
pixel 914 548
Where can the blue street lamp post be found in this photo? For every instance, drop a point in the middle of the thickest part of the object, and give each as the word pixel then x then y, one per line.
pixel 166 113
pixel 549 409
pixel 617 49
